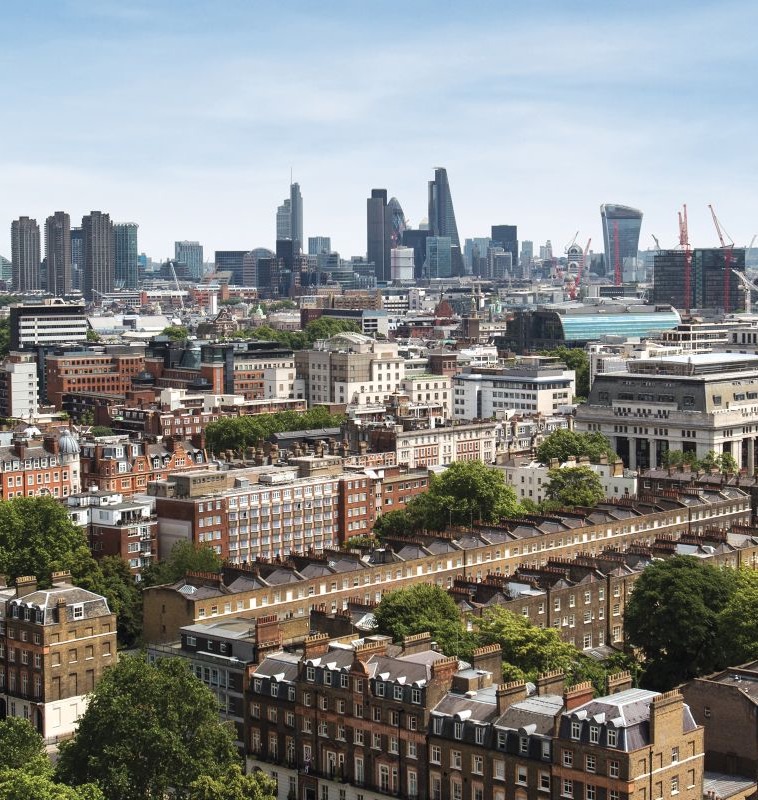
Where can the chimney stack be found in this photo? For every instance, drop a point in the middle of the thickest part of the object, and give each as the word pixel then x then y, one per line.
pixel 578 695
pixel 26 585
pixel 509 693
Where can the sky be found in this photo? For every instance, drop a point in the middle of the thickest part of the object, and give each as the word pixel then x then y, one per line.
pixel 187 117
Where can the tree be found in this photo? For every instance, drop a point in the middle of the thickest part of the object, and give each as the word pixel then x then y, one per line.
pixel 177 333
pixel 184 557
pixel 563 444
pixel 577 359
pixel 124 598
pixel 101 430
pixel 394 523
pixel 233 786
pixel 17 784
pixel 38 538
pixel 92 335
pixel 574 486
pixel 87 418
pixel 421 608
pixel 21 747
pixel 673 617
pixel 149 731
pixel 738 620
pixel 5 337
pixel 470 490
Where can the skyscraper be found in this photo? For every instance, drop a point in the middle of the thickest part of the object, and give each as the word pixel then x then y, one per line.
pixel 442 217
pixel 58 253
pixel 284 221
pixel 125 254
pixel 97 253
pixel 191 254
pixel 506 236
pixel 318 245
pixel 439 261
pixel 621 236
pixel 395 218
pixel 25 254
pixel 77 259
pixel 710 281
pixel 379 234
pixel 296 217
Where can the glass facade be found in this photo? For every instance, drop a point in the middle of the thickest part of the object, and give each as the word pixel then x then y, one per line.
pixel 621 235
pixel 707 279
pixel 439 262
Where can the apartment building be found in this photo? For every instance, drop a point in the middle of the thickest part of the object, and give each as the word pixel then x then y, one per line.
pixel 19 387
pixel 695 403
pixel 117 527
pixel 54 647
pixel 38 466
pixel 425 389
pixel 531 386
pixel 350 368
pixel 290 586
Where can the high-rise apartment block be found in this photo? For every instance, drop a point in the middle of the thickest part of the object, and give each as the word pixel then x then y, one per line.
pixel 58 253
pixel 97 252
pixel 25 254
pixel 191 254
pixel 126 254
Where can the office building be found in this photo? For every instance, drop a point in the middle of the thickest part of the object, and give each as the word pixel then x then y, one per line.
pixel 125 255
pixel 231 261
pixel 284 220
pixel 530 386
pixel 57 642
pixel 296 217
pixel 317 245
pixel 25 254
pixel 417 240
pixel 713 285
pixel 379 234
pixel 527 254
pixel 475 255
pixel 439 258
pixel 402 264
pixel 6 270
pixel 621 237
pixel 97 252
pixel 396 221
pixel 506 236
pixel 442 217
pixel 695 403
pixel 58 253
pixel 19 387
pixel 46 324
pixel 191 254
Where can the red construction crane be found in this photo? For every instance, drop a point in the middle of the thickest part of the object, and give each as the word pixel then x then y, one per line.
pixel 684 241
pixel 728 253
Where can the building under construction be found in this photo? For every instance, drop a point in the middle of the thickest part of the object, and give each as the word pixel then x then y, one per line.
pixel 711 283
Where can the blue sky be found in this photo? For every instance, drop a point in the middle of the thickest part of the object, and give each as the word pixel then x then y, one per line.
pixel 186 117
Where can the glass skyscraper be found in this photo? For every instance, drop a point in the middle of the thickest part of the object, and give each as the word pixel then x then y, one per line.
pixel 439 261
pixel 191 254
pixel 621 235
pixel 442 217
pixel 125 254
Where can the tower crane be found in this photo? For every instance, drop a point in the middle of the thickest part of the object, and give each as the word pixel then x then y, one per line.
pixel 748 286
pixel 176 282
pixel 571 243
pixel 657 243
pixel 684 242
pixel 728 251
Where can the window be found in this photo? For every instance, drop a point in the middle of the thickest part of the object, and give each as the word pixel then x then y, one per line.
pixel 412 750
pixel 393 746
pixel 521 775
pixel 379 689
pixel 477 765
pixel 590 792
pixel 78 611
pixel 594 734
pixel 498 769
pixel 458 730
pixel 310 673
pixel 567 788
pixel 523 745
pixel 398 693
pixel 376 741
pixel 545 750
pixel 612 737
pixel 435 754
pixel 567 758
pixel 674 755
pixel 613 794
pixel 613 769
pixel 675 785
pixel 576 729
pixel 456 762
pixel 416 696
pixel 479 734
pixel 544 781
pixel 590 764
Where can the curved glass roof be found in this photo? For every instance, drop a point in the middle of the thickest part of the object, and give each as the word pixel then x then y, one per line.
pixel 586 327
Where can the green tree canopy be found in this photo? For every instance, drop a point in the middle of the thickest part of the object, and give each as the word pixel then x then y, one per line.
pixel 21 747
pixel 101 430
pixel 92 335
pixel 321 328
pixel 176 332
pixel 233 786
pixel 184 557
pixel 673 616
pixel 237 433
pixel 562 444
pixel 149 731
pixel 738 620
pixel 723 462
pixel 577 359
pixel 421 608
pixel 574 486
pixel 5 337
pixel 17 784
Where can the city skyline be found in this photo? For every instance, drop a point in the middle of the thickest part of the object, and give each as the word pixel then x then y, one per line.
pixel 594 104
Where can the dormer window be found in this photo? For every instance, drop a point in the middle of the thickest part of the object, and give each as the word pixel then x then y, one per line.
pixel 77 611
pixel 458 730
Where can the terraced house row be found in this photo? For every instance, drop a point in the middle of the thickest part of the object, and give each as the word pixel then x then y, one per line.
pixel 290 586
pixel 366 719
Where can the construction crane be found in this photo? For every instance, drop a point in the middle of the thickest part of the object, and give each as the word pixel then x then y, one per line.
pixel 657 243
pixel 176 281
pixel 571 243
pixel 728 252
pixel 684 242
pixel 748 286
